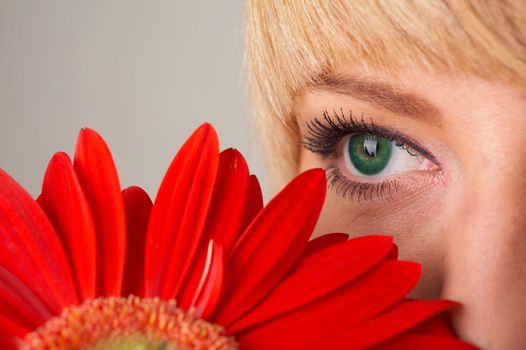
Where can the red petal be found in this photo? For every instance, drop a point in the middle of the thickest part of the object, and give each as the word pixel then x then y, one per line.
pixel 179 213
pixel 230 196
pixel 254 202
pixel 337 313
pixel 435 326
pixel 13 323
pixel 30 248
pixel 98 177
pixel 319 275
pixel 11 327
pixel 396 321
pixel 393 254
pixel 271 244
pixel 224 219
pixel 21 298
pixel 138 206
pixel 322 242
pixel 210 285
pixel 66 207
pixel 424 341
pixel 8 342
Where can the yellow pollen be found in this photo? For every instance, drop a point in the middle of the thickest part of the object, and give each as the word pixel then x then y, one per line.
pixel 126 324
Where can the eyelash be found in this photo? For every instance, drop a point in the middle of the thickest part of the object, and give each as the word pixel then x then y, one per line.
pixel 360 190
pixel 323 138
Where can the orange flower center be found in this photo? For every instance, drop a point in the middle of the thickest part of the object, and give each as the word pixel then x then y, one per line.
pixel 128 323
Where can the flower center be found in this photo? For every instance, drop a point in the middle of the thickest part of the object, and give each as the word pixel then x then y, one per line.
pixel 128 323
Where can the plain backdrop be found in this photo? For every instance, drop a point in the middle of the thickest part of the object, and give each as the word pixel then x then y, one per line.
pixel 144 74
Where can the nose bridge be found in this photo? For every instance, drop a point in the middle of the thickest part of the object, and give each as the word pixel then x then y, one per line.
pixel 485 261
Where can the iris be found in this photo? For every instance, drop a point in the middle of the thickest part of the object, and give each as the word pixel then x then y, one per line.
pixel 368 153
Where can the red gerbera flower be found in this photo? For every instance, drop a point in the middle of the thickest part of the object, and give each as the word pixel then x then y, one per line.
pixel 204 267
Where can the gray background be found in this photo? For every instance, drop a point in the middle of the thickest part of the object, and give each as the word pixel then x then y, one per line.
pixel 144 74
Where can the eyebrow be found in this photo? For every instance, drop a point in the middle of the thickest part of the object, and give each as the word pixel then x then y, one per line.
pixel 382 95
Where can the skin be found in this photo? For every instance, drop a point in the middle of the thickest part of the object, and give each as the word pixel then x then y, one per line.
pixel 463 219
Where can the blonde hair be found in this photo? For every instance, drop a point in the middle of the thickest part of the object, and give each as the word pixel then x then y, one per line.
pixel 290 44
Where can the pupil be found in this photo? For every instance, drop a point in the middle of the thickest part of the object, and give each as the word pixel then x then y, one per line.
pixel 369 153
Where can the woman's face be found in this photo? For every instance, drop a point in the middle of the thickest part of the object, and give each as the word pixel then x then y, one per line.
pixel 438 162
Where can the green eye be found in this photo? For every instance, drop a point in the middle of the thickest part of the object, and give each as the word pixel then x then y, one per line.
pixel 368 153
